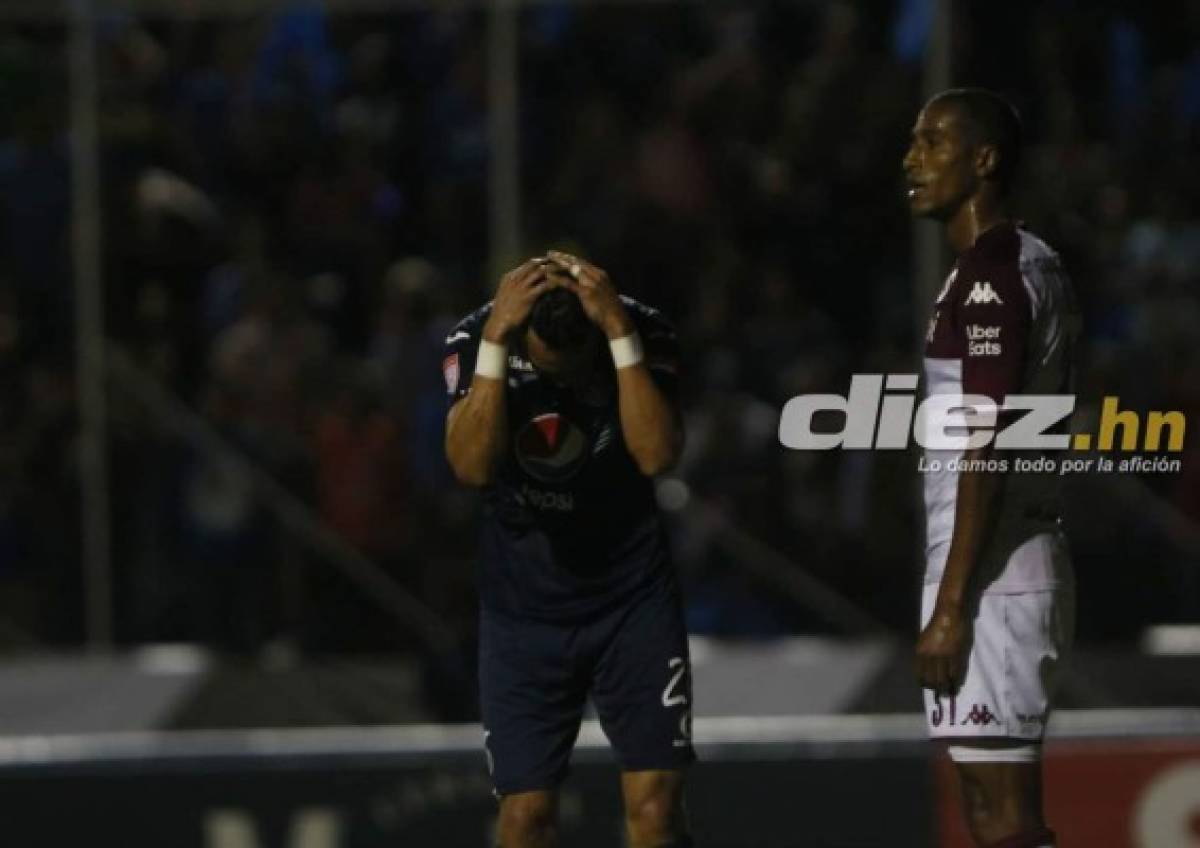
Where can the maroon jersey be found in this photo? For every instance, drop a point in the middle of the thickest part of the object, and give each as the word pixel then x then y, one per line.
pixel 1005 323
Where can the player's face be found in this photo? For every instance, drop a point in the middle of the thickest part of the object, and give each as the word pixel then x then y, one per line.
pixel 568 367
pixel 940 163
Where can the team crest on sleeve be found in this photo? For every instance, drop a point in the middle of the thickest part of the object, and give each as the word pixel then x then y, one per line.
pixel 982 293
pixel 450 372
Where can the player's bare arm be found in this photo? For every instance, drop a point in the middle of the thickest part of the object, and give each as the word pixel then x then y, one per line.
pixel 650 423
pixel 943 644
pixel 477 426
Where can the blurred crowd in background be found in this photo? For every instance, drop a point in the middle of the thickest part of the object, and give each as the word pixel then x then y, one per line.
pixel 295 211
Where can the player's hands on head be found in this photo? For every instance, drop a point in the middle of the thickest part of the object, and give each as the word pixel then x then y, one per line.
pixel 519 289
pixel 942 650
pixel 595 291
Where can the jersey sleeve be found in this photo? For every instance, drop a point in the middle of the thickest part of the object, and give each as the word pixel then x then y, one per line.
pixel 458 358
pixel 660 343
pixel 994 317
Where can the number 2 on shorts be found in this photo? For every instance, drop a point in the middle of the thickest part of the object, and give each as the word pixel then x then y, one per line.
pixel 671 697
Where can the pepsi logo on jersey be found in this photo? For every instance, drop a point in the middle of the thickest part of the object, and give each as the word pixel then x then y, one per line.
pixel 551 448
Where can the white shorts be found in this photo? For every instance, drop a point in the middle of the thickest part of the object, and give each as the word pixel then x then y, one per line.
pixel 1020 642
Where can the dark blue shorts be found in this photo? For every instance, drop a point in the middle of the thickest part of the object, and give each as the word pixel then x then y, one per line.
pixel 535 677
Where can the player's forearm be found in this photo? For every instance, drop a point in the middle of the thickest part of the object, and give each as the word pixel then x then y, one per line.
pixel 476 431
pixel 975 509
pixel 650 424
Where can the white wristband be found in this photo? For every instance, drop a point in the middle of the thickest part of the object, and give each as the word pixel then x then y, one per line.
pixel 626 350
pixel 491 360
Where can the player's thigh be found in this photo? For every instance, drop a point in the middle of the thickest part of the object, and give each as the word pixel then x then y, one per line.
pixel 532 698
pixel 1018 643
pixel 642 683
pixel 1040 629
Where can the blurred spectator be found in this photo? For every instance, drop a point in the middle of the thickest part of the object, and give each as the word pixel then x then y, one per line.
pixel 296 212
pixel 363 486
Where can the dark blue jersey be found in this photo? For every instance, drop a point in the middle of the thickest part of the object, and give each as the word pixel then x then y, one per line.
pixel 570 525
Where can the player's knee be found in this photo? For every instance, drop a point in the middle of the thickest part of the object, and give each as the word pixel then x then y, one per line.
pixel 527 818
pixel 654 819
pixel 995 810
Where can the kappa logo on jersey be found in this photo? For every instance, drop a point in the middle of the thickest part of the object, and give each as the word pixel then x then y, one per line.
pixel 982 293
pixel 980 714
pixel 551 448
pixel 450 372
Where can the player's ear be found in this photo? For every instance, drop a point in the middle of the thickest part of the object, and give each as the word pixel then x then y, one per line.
pixel 987 160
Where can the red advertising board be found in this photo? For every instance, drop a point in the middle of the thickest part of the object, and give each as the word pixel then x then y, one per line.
pixel 1137 793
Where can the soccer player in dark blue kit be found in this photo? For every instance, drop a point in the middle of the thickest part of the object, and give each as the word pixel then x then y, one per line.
pixel 563 410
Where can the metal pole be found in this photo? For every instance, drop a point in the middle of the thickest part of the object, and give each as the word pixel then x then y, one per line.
pixel 928 243
pixel 504 180
pixel 89 327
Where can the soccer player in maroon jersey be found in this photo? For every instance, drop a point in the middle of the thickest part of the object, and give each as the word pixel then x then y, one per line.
pixel 997 608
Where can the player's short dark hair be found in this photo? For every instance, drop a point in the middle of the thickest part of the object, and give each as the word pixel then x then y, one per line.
pixel 559 320
pixel 992 119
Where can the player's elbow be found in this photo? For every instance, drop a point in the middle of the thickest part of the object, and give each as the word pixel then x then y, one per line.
pixel 653 466
pixel 659 458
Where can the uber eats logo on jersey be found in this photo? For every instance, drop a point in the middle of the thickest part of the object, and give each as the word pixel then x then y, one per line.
pixel 873 416
pixel 983 340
